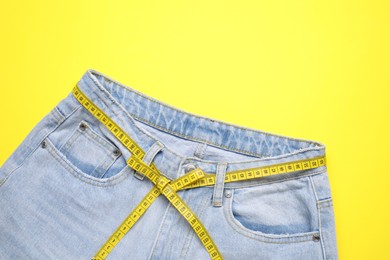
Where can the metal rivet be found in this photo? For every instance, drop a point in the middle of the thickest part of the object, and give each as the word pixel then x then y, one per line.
pixel 44 144
pixel 189 167
pixel 83 126
pixel 316 237
pixel 228 194
pixel 117 152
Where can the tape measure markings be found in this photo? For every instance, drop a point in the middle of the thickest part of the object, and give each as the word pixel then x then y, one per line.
pixel 141 208
pixel 168 190
pixel 258 172
pixel 111 125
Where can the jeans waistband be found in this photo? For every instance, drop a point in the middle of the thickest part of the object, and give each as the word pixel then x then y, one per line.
pixel 125 105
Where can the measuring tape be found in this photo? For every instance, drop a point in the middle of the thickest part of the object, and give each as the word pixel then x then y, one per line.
pixel 163 185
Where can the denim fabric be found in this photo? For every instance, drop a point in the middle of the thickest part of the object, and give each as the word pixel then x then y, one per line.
pixel 66 188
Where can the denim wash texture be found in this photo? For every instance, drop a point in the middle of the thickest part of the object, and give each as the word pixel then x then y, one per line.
pixel 66 188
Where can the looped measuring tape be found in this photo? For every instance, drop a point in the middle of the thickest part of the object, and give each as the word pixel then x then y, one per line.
pixel 163 185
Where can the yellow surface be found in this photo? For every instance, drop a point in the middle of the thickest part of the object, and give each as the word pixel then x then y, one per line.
pixel 306 69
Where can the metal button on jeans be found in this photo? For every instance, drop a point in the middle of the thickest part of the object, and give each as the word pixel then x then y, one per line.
pixel 189 167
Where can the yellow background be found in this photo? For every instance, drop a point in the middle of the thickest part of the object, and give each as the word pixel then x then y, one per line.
pixel 309 69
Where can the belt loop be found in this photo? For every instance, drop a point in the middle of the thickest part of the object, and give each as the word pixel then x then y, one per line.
pixel 148 157
pixel 219 184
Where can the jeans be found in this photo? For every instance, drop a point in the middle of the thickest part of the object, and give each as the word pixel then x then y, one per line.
pixel 67 186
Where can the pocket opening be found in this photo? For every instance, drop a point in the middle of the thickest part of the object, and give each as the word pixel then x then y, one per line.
pixel 88 149
pixel 265 212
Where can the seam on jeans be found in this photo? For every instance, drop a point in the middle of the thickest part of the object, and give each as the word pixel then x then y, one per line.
pixel 84 177
pixel 109 96
pixel 69 141
pixel 313 188
pixel 219 184
pixel 325 203
pixel 319 217
pixel 7 175
pixel 159 232
pixel 103 168
pixel 94 137
pixel 59 111
pixel 107 167
pixel 90 135
pixel 58 114
pixel 72 133
pixel 99 139
pixel 202 208
pixel 262 237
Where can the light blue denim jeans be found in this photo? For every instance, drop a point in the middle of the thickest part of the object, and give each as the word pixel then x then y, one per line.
pixel 66 188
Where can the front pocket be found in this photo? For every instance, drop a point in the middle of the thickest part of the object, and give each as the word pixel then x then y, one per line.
pixel 91 153
pixel 278 211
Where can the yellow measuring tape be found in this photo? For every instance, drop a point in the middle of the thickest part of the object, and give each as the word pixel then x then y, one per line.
pixel 167 187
